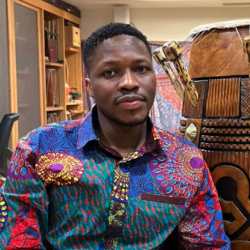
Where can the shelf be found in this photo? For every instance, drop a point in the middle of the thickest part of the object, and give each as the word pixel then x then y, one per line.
pixel 76 112
pixel 53 65
pixel 72 49
pixel 72 104
pixel 51 109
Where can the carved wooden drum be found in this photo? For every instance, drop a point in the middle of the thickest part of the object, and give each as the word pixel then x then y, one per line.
pixel 220 123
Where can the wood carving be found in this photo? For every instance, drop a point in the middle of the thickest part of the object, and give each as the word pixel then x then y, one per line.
pixel 245 97
pixel 161 59
pixel 217 115
pixel 219 70
pixel 173 53
pixel 223 98
pixel 219 54
pixel 246 46
pixel 188 109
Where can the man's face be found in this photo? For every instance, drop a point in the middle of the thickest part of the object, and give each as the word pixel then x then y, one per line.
pixel 122 80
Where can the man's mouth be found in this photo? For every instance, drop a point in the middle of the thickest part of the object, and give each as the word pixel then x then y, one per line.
pixel 130 102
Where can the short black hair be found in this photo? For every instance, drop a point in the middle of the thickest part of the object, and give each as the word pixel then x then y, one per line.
pixel 106 32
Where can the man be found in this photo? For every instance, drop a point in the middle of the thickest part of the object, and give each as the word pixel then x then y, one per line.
pixel 113 180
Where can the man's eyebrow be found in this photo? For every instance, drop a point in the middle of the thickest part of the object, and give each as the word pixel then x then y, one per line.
pixel 111 62
pixel 142 60
pixel 108 62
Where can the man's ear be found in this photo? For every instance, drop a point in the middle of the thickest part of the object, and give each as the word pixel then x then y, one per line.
pixel 88 85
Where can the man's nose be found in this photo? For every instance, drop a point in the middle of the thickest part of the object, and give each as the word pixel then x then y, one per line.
pixel 128 81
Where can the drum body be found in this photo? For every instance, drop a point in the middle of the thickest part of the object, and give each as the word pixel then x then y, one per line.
pixel 220 124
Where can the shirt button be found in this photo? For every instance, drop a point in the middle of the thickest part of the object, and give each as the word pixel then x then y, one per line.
pixel 118 206
pixel 109 243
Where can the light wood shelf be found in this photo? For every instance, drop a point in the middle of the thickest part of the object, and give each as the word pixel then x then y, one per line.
pixel 53 65
pixel 72 49
pixel 44 13
pixel 72 104
pixel 54 109
pixel 76 112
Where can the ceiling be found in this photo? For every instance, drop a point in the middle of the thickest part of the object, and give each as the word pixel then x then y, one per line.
pixel 90 4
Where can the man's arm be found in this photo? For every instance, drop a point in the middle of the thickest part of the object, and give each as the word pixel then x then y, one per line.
pixel 24 203
pixel 202 227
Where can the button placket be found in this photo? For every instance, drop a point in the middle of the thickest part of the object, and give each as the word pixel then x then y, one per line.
pixel 119 202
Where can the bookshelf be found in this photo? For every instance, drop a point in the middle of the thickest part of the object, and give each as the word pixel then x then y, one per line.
pixel 65 68
pixel 54 109
pixel 72 49
pixel 53 65
pixel 72 104
pixel 57 62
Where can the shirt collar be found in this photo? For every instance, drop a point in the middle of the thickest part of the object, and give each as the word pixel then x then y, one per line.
pixel 87 131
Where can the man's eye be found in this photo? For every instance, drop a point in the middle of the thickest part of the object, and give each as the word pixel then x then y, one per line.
pixel 142 69
pixel 109 73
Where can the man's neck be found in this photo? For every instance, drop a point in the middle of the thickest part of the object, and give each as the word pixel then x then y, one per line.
pixel 124 139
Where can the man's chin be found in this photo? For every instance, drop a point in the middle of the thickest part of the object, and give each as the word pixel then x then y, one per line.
pixel 128 123
pixel 125 119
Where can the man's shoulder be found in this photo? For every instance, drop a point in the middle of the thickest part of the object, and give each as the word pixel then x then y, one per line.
pixel 183 166
pixel 180 148
pixel 173 139
pixel 52 131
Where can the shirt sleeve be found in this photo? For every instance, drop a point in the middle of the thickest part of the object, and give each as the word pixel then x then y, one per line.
pixel 23 203
pixel 202 228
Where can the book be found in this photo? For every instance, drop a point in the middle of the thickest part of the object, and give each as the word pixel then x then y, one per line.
pixel 51 40
pixel 68 114
pixel 52 117
pixel 51 82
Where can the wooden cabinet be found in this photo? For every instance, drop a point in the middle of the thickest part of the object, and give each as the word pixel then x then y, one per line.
pixel 40 79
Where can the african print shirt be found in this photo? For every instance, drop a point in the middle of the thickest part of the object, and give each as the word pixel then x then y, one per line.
pixel 65 191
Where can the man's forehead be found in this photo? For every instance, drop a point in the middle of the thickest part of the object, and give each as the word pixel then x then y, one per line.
pixel 122 45
pixel 119 48
pixel 119 42
pixel 125 38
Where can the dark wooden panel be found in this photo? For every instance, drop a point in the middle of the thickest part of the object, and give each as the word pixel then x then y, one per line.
pixel 237 123
pixel 245 98
pixel 240 245
pixel 225 139
pixel 214 158
pixel 225 134
pixel 230 172
pixel 233 188
pixel 224 146
pixel 188 109
pixel 219 54
pixel 223 98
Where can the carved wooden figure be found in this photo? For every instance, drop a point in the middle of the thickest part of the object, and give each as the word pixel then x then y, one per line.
pixel 161 59
pixel 173 53
pixel 220 123
pixel 216 108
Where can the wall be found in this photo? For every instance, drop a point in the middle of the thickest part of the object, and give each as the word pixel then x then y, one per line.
pixel 4 69
pixel 163 24
pixel 167 24
pixel 91 19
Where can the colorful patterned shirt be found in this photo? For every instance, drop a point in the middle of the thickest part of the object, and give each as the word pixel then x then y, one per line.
pixel 64 190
